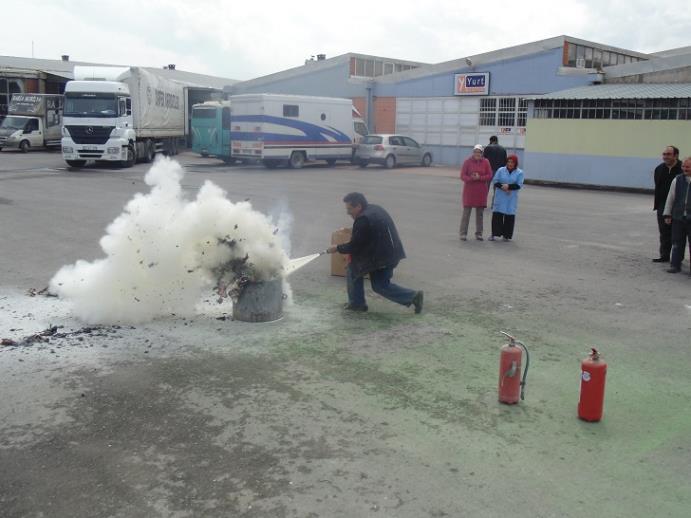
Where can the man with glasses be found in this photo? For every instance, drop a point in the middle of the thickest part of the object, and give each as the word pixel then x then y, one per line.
pixel 664 174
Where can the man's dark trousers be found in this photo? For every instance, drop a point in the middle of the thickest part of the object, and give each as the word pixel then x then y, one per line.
pixel 381 284
pixel 665 235
pixel 681 232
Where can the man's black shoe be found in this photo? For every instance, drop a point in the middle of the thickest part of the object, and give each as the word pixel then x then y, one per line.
pixel 417 302
pixel 350 307
pixel 661 260
pixel 673 270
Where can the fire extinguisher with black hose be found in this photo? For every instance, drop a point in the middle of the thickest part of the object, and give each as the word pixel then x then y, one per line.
pixel 511 386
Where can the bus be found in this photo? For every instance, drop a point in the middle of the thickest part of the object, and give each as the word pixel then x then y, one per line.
pixel 211 129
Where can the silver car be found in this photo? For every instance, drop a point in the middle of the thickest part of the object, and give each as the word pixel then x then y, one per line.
pixel 390 151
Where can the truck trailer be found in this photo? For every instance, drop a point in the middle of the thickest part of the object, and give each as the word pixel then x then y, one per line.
pixel 33 121
pixel 291 129
pixel 117 114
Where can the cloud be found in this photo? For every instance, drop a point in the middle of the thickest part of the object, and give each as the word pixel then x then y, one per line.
pixel 242 41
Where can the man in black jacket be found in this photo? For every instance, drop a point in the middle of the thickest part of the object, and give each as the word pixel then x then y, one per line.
pixel 375 249
pixel 664 174
pixel 495 153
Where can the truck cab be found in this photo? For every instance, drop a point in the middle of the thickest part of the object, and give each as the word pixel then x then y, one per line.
pixel 33 122
pixel 21 132
pixel 98 122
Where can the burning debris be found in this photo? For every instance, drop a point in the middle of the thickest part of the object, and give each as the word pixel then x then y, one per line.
pixel 53 332
pixel 164 251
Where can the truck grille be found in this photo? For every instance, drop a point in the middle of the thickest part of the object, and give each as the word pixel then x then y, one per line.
pixel 90 134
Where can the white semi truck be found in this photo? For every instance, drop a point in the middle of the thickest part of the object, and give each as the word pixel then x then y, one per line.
pixel 33 121
pixel 123 115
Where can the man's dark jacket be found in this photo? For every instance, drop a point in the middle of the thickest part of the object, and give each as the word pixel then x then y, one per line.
pixel 496 155
pixel 682 198
pixel 374 243
pixel 663 180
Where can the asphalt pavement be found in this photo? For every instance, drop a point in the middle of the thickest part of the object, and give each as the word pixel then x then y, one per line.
pixel 325 413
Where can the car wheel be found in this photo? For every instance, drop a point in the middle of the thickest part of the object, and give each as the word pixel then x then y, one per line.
pixel 427 160
pixel 297 160
pixel 76 163
pixel 390 162
pixel 363 163
pixel 24 146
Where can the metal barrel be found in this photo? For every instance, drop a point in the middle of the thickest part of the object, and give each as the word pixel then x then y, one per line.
pixel 260 302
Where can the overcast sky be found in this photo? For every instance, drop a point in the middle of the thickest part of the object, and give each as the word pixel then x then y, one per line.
pixel 246 39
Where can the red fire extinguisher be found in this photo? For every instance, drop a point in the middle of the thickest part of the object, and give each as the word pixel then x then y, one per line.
pixel 593 373
pixel 511 386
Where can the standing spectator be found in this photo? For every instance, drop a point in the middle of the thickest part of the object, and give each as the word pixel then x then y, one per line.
pixel 495 153
pixel 507 181
pixel 475 173
pixel 664 174
pixel 677 213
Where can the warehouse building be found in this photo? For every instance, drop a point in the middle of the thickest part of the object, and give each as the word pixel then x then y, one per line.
pixel 612 134
pixel 451 106
pixel 49 76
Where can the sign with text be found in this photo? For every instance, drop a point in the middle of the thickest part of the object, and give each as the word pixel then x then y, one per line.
pixel 476 83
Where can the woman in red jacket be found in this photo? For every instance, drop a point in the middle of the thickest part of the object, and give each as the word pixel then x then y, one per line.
pixel 476 172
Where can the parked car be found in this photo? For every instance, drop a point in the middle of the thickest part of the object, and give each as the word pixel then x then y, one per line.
pixel 390 151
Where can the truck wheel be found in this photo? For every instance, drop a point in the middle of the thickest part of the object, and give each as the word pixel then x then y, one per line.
pixel 24 146
pixel 427 160
pixel 270 164
pixel 150 151
pixel 76 163
pixel 390 162
pixel 131 157
pixel 297 160
pixel 331 162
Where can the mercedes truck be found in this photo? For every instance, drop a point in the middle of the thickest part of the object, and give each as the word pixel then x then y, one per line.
pixel 121 115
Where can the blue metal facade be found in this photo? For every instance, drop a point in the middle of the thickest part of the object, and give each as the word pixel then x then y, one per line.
pixel 524 75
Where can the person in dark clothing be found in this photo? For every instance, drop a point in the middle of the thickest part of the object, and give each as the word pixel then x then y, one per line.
pixel 375 249
pixel 495 153
pixel 663 176
pixel 677 213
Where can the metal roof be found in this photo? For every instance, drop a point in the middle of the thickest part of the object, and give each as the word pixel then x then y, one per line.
pixel 623 91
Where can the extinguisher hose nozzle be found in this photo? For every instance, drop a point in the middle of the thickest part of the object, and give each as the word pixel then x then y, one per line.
pixel 525 371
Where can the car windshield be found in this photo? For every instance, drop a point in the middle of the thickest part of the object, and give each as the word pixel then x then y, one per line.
pixel 14 123
pixel 371 139
pixel 91 105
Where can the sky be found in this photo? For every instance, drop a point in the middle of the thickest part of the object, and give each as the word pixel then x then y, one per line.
pixel 243 39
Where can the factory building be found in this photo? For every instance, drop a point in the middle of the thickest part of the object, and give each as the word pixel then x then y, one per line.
pixel 49 76
pixel 451 106
pixel 575 111
pixel 612 134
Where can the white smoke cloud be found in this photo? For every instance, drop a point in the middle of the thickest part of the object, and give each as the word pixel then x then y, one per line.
pixel 162 252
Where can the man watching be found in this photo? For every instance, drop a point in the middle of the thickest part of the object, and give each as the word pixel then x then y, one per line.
pixel 375 249
pixel 495 153
pixel 664 174
pixel 677 212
